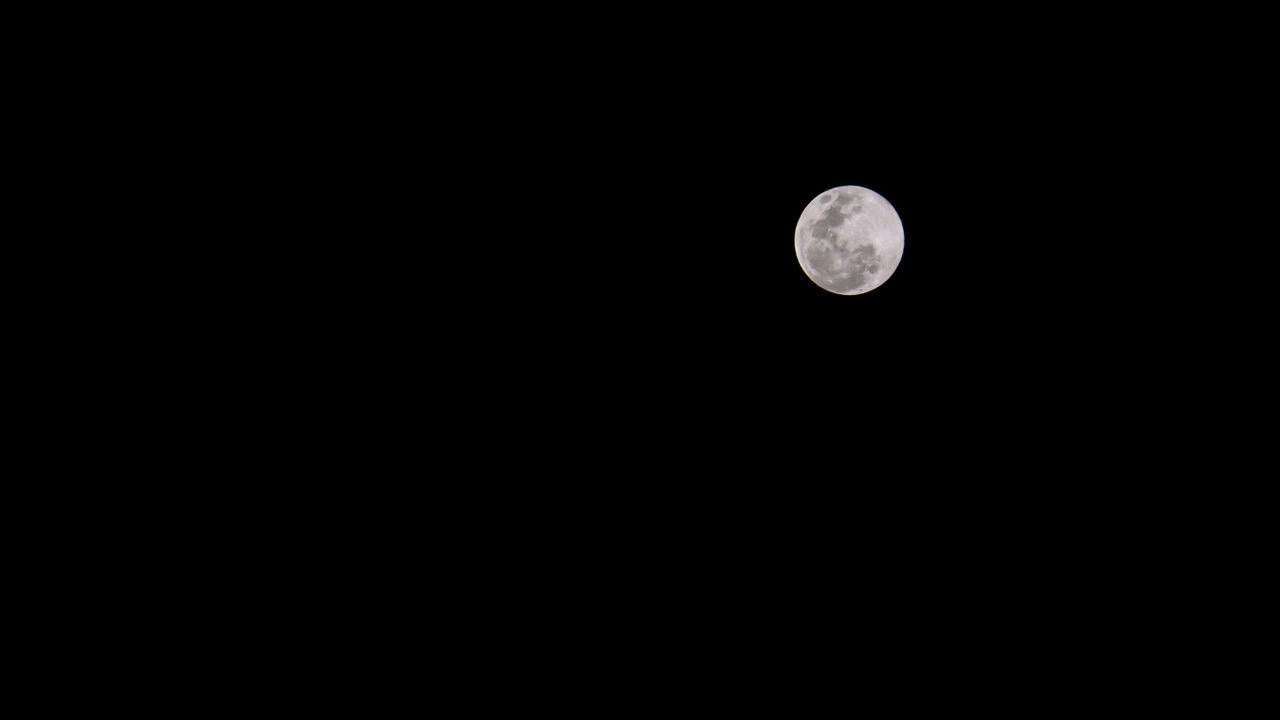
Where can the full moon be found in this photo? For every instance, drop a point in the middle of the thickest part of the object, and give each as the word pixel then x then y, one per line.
pixel 849 240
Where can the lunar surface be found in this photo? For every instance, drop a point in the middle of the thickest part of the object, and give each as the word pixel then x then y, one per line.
pixel 849 240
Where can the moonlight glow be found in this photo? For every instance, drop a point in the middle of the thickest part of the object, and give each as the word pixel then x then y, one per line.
pixel 849 240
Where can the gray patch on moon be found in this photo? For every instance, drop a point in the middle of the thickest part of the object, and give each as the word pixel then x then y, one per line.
pixel 843 270
pixel 821 230
pixel 827 198
pixel 820 259
pixel 833 217
pixel 852 200
pixel 845 284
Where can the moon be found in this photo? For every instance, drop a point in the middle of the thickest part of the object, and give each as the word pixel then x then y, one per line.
pixel 849 240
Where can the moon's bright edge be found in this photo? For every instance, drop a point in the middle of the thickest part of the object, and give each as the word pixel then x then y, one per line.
pixel 849 240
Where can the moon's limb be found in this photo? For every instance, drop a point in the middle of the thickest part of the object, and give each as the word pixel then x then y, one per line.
pixel 849 240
